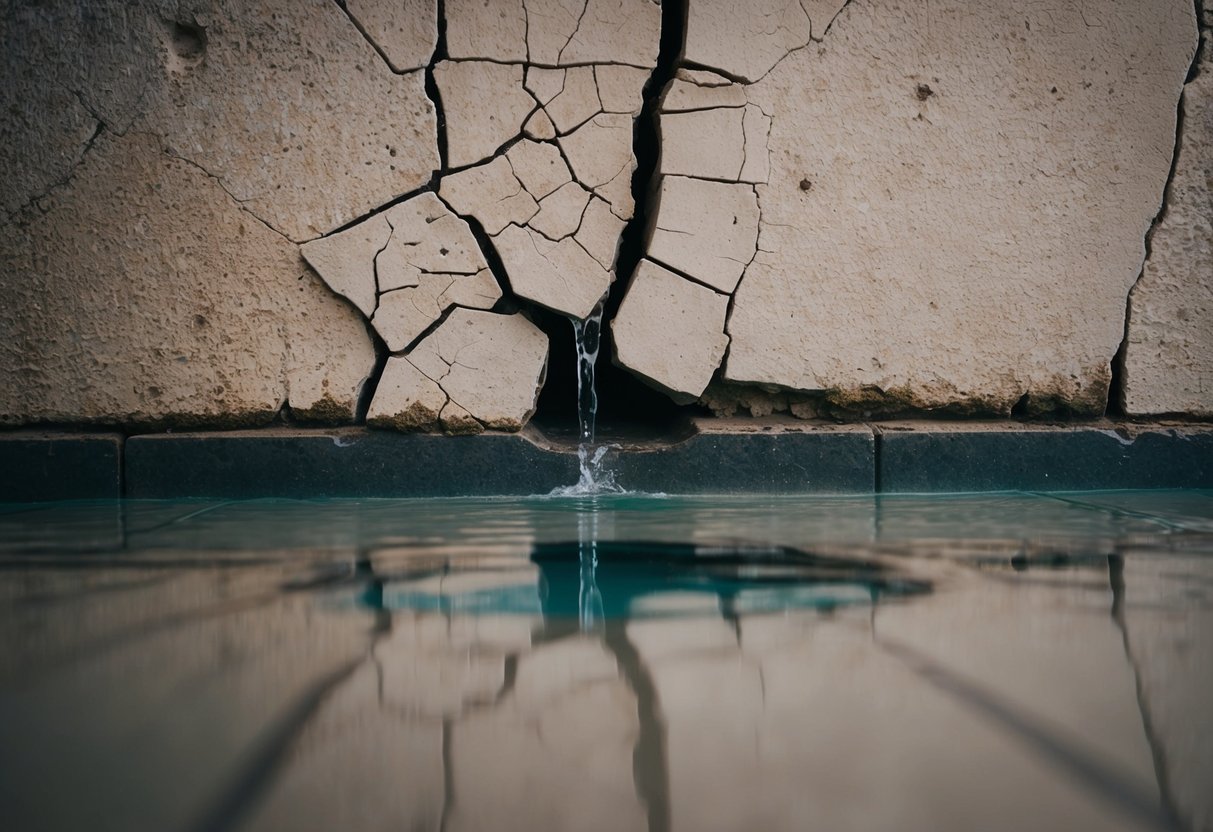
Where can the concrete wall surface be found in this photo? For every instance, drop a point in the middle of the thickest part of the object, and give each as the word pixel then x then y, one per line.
pixel 221 212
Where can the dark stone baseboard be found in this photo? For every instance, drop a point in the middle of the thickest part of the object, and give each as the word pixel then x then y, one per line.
pixel 721 456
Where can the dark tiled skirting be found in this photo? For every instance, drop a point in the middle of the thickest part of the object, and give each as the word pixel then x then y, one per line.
pixel 777 457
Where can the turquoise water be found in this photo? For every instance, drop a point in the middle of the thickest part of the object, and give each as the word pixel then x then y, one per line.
pixel 622 662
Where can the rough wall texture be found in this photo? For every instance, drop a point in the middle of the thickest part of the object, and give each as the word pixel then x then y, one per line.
pixel 956 198
pixel 1169 351
pixel 218 208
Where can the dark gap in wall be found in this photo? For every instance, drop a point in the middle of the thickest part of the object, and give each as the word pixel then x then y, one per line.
pixel 431 85
pixel 1019 410
pixel 627 408
pixel 367 393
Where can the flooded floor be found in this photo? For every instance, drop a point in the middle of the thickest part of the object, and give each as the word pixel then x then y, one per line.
pixel 1006 661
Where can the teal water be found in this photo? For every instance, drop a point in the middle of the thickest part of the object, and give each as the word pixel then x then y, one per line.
pixel 622 661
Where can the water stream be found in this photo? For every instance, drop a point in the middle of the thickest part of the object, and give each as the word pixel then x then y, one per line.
pixel 594 477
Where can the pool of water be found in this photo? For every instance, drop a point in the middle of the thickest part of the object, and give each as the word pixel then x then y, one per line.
pixel 993 661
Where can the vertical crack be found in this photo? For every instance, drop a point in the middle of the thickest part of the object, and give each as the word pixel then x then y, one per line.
pixel 628 395
pixel 1116 404
pixel 431 86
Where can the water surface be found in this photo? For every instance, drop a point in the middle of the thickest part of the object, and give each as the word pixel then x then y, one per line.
pixel 615 662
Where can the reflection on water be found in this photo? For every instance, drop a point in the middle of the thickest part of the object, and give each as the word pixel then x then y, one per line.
pixel 998 661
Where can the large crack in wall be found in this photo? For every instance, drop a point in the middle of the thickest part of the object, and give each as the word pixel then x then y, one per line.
pixel 770 217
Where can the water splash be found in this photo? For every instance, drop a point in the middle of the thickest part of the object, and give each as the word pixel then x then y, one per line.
pixel 594 476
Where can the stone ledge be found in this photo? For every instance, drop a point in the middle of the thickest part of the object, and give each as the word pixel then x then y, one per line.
pixel 940 457
pixel 45 465
pixel 345 462
pixel 722 456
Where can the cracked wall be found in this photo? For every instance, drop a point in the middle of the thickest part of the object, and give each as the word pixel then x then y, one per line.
pixel 220 211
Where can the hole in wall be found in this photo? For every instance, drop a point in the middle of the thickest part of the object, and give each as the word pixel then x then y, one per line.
pixel 187 40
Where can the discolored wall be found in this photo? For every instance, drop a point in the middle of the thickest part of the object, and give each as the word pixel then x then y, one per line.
pixel 223 212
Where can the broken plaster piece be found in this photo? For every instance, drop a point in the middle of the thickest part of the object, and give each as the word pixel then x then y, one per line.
pixel 404 314
pixel 560 212
pixel 490 193
pixel 405 32
pixel 539 127
pixel 600 152
pixel 426 238
pixel 701 77
pixel 707 230
pixel 492 366
pixel 615 31
pixel 346 260
pixel 670 331
pixel 550 25
pixel 709 144
pixel 681 96
pixel 577 103
pixel 744 40
pixel 406 399
pixel 493 30
pixel 479 291
pixel 544 84
pixel 539 167
pixel 485 106
pixel 600 232
pixel 620 88
pixel 560 276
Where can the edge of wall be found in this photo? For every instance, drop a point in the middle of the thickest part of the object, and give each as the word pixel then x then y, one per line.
pixel 723 456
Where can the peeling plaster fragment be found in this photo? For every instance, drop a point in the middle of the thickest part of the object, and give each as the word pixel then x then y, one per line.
pixel 485 106
pixel 621 88
pixel 681 96
pixel 492 30
pixel 426 238
pixel 577 103
pixel 701 77
pixel 550 25
pixel 616 31
pixel 560 212
pixel 709 144
pixel 539 167
pixel 406 399
pixel 346 260
pixel 539 127
pixel 544 84
pixel 744 40
pixel 480 291
pixel 600 152
pixel 405 31
pixel 560 276
pixel 600 232
pixel 491 365
pixel 670 332
pixel 490 193
pixel 403 314
pixel 708 230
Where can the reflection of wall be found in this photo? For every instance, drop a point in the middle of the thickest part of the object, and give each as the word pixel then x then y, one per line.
pixel 869 206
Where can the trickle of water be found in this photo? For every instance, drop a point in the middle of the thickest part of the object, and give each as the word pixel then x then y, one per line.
pixel 594 477
pixel 589 599
pixel 587 337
